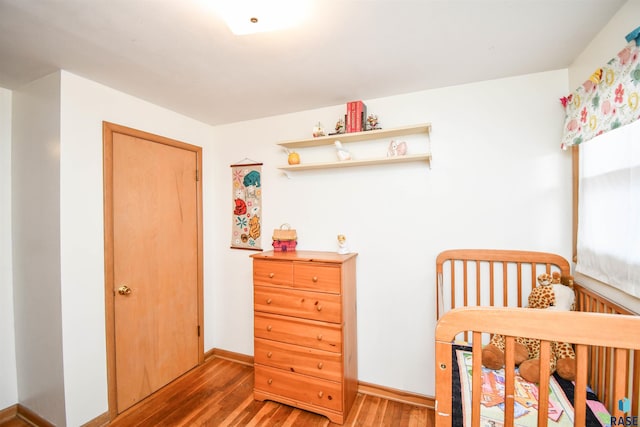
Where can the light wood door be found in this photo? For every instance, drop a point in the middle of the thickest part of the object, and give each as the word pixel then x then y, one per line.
pixel 155 267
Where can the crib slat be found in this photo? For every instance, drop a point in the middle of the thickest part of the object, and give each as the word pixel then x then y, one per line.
pixel 635 393
pixel 580 397
pixel 607 377
pixel 465 281
pixel 619 378
pixel 509 379
pixel 491 287
pixel 478 284
pixel 505 285
pixel 476 384
pixel 453 284
pixel 519 286
pixel 543 385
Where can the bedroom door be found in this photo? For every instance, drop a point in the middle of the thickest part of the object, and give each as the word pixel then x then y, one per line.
pixel 155 242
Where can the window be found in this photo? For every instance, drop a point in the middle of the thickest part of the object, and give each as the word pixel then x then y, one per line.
pixel 608 235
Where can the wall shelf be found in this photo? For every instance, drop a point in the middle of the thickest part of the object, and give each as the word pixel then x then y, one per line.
pixel 424 128
pixel 358 136
pixel 363 162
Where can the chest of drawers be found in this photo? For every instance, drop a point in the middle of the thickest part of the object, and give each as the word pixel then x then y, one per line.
pixel 305 330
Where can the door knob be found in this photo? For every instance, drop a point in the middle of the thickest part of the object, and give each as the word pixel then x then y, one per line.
pixel 124 290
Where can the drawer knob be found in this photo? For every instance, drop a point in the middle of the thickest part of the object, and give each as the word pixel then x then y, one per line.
pixel 269 328
pixel 319 337
pixel 269 301
pixel 270 381
pixel 319 307
pixel 269 355
pixel 315 278
pixel 272 275
pixel 320 365
pixel 320 394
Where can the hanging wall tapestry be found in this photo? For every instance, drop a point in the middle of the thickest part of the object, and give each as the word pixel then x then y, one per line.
pixel 246 205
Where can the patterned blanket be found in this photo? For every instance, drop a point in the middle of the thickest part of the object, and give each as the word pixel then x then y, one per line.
pixel 526 397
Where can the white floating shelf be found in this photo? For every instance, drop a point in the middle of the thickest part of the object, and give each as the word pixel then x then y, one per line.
pixel 363 162
pixel 358 136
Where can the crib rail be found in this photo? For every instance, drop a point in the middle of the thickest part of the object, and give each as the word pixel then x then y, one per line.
pixel 490 277
pixel 600 369
pixel 617 332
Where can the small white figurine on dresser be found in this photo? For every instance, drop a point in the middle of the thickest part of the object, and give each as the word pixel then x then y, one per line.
pixel 342 244
pixel 342 153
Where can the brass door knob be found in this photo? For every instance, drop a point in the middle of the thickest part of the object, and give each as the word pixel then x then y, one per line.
pixel 124 290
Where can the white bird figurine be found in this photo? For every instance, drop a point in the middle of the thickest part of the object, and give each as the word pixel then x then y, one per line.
pixel 343 154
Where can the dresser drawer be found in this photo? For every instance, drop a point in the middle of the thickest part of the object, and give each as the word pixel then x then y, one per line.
pixel 304 304
pixel 272 273
pixel 307 333
pixel 314 391
pixel 318 277
pixel 295 358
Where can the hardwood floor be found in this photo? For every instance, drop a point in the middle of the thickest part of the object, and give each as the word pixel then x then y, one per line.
pixel 15 422
pixel 220 393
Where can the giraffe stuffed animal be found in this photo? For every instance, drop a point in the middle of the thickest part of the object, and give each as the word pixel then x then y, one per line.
pixel 554 292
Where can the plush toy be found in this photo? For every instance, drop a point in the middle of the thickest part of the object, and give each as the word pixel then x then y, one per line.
pixel 555 292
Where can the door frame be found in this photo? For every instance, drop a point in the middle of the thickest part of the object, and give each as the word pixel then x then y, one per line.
pixel 108 129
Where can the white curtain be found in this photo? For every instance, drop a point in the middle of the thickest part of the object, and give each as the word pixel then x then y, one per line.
pixel 609 208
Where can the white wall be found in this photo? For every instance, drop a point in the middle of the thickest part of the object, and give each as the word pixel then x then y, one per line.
pixel 36 247
pixel 8 379
pixel 85 105
pixel 499 180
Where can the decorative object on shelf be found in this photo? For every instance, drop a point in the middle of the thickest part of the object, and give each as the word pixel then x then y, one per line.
pixel 247 203
pixel 342 244
pixel 285 239
pixel 397 148
pixel 356 113
pixel 372 122
pixel 293 158
pixel 342 153
pixel 318 130
pixel 340 126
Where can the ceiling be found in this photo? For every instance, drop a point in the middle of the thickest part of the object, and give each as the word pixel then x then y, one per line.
pixel 180 55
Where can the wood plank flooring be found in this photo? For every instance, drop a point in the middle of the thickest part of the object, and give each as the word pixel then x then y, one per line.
pixel 220 393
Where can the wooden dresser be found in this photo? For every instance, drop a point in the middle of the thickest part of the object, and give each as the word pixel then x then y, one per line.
pixel 305 330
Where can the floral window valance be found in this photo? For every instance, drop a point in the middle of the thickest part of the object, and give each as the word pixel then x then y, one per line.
pixel 607 100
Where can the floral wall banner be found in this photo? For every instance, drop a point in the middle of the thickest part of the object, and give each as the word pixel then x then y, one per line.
pixel 607 100
pixel 246 205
